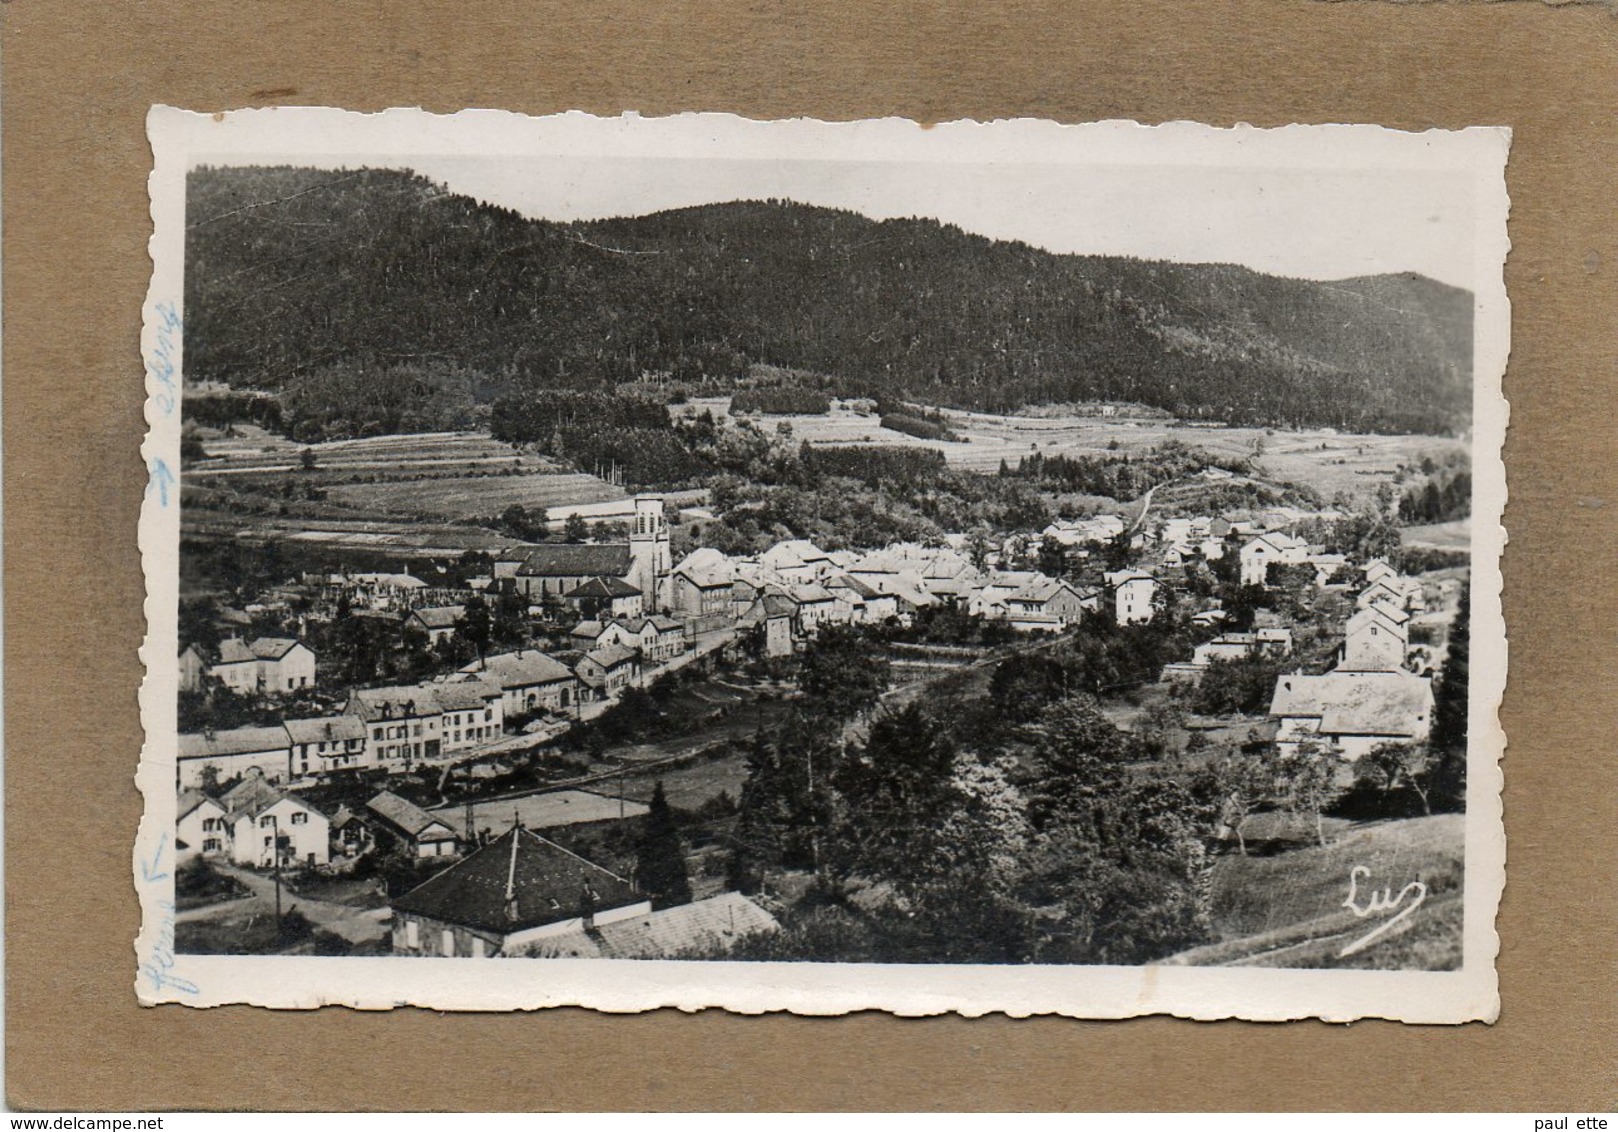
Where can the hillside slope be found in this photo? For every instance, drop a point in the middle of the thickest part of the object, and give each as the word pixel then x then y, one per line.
pixel 294 273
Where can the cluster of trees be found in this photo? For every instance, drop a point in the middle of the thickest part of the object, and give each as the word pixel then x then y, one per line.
pixel 786 400
pixel 1118 477
pixel 354 397
pixel 926 426
pixel 221 410
pixel 1446 495
pixel 929 848
pixel 295 270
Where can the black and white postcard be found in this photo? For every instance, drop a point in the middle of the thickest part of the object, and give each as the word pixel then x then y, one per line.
pixel 800 566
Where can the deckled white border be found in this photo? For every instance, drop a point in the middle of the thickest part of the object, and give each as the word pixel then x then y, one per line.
pixel 180 139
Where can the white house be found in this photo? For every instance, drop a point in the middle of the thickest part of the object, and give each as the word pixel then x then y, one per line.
pixel 201 829
pixel 439 622
pixel 412 826
pixel 265 665
pixel 1273 549
pixel 260 818
pixel 1133 591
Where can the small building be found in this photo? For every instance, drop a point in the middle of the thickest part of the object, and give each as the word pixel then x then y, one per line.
pixel 606 671
pixel 596 633
pixel 657 639
pixel 200 830
pixel 194 669
pixel 1048 600
pixel 515 891
pixel 407 824
pixel 605 597
pixel 1352 712
pixel 769 622
pixel 438 622
pixel 234 753
pixel 816 607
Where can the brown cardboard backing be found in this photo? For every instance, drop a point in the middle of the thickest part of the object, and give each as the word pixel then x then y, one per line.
pixel 78 79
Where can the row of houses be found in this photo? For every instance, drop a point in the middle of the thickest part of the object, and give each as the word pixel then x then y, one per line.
pixel 1369 696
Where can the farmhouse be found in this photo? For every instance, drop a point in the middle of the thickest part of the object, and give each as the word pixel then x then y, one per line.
pixel 201 829
pixel 408 824
pixel 234 753
pixel 1047 603
pixel 1351 712
pixel 593 634
pixel 516 890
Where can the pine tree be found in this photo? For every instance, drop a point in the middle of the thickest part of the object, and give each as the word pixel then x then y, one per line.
pixel 660 857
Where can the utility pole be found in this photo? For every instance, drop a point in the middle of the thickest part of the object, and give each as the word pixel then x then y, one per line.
pixel 275 849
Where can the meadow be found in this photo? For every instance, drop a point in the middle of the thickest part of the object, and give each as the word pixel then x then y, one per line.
pixel 1325 460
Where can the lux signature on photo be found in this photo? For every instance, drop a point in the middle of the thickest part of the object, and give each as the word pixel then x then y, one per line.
pixel 1379 901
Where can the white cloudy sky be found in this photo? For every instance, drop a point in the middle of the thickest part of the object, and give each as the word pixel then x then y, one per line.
pixel 1313 202
pixel 1311 223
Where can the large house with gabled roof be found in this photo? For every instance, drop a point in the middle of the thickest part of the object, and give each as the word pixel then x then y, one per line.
pixel 501 900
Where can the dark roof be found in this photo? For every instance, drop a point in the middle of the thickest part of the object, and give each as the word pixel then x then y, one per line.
pixel 547 884
pixel 564 560
pixel 409 817
pixel 600 587
pixel 440 616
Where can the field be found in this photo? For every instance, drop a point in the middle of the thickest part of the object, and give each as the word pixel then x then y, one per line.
pixel 1456 535
pixel 476 497
pixel 1325 460
pixel 689 786
pixel 448 476
pixel 1287 909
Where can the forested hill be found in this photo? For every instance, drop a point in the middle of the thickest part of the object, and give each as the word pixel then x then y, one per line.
pixel 297 277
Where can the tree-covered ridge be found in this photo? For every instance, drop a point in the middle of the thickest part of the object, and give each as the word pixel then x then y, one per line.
pixel 321 282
